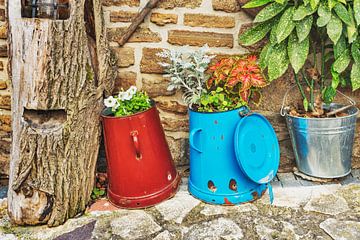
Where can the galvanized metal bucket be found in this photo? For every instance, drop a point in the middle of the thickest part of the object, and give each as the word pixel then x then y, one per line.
pixel 323 146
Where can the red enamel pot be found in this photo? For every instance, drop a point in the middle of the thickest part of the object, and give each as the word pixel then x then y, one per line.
pixel 141 171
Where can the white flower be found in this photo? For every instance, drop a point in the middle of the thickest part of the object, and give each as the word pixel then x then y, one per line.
pixel 132 90
pixel 127 96
pixel 117 105
pixel 121 96
pixel 110 102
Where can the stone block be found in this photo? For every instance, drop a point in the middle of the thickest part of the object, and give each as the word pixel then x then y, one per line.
pixel 125 56
pixel 209 21
pixel 140 35
pixel 161 19
pixel 192 38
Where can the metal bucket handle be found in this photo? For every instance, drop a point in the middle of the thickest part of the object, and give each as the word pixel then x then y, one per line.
pixel 282 110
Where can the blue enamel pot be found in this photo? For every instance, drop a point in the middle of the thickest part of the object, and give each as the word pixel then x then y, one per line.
pixel 233 156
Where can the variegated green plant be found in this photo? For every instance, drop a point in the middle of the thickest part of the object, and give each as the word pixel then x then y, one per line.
pixel 298 29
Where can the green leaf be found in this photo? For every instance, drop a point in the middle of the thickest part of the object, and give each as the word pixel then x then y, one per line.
pixel 255 34
pixel 355 52
pixel 324 15
pixel 306 104
pixel 303 27
pixel 278 61
pixel 329 94
pixel 298 52
pixel 264 56
pixel 342 62
pixel 332 3
pixel 342 13
pixel 340 47
pixel 335 78
pixel 314 3
pixel 256 3
pixel 334 28
pixel 357 11
pixel 302 11
pixel 286 25
pixel 351 29
pixel 355 76
pixel 269 12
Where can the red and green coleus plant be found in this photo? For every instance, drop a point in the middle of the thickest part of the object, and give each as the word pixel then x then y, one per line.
pixel 324 33
pixel 225 85
pixel 127 102
pixel 239 77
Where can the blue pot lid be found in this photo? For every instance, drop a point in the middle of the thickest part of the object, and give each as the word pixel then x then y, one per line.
pixel 257 148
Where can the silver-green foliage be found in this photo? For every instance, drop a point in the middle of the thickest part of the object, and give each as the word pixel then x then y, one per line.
pixel 186 71
pixel 290 24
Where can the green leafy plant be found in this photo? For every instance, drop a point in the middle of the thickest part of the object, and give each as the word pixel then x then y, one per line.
pixel 226 85
pixel 128 102
pixel 186 71
pixel 219 100
pixel 308 30
pixel 238 77
pixel 97 193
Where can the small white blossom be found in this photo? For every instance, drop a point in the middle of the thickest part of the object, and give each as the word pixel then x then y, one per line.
pixel 121 96
pixel 132 90
pixel 117 105
pixel 127 96
pixel 110 102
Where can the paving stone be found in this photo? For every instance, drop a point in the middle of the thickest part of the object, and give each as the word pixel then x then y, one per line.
pixel 342 230
pixel 355 173
pixel 178 207
pixel 135 225
pixel 288 180
pixel 347 179
pixel 270 229
pixel 295 197
pixel 165 235
pixel 327 204
pixel 213 210
pixel 4 236
pixel 351 193
pixel 81 233
pixel 217 229
pixel 307 183
pixel 46 233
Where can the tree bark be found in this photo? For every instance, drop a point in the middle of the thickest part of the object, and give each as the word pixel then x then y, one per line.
pixel 59 71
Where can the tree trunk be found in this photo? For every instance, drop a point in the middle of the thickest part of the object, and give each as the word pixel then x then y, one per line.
pixel 59 71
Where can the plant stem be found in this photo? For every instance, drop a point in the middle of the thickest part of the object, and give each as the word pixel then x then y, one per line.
pixel 311 86
pixel 322 78
pixel 299 86
pixel 305 78
pixel 314 52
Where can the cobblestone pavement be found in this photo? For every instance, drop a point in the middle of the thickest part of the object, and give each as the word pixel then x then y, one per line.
pixel 301 210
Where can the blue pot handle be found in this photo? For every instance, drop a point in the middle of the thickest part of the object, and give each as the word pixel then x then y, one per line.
pixel 191 138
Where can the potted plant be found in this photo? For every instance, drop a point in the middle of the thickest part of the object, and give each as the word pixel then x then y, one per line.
pixel 233 154
pixel 320 41
pixel 141 172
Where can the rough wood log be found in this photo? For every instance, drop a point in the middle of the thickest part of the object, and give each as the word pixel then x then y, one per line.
pixel 59 72
pixel 137 21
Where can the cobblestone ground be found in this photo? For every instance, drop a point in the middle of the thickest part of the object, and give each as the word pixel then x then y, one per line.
pixel 301 210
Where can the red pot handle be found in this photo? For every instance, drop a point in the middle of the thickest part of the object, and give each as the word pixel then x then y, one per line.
pixel 135 138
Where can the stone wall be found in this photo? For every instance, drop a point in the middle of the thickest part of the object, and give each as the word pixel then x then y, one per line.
pixel 172 25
